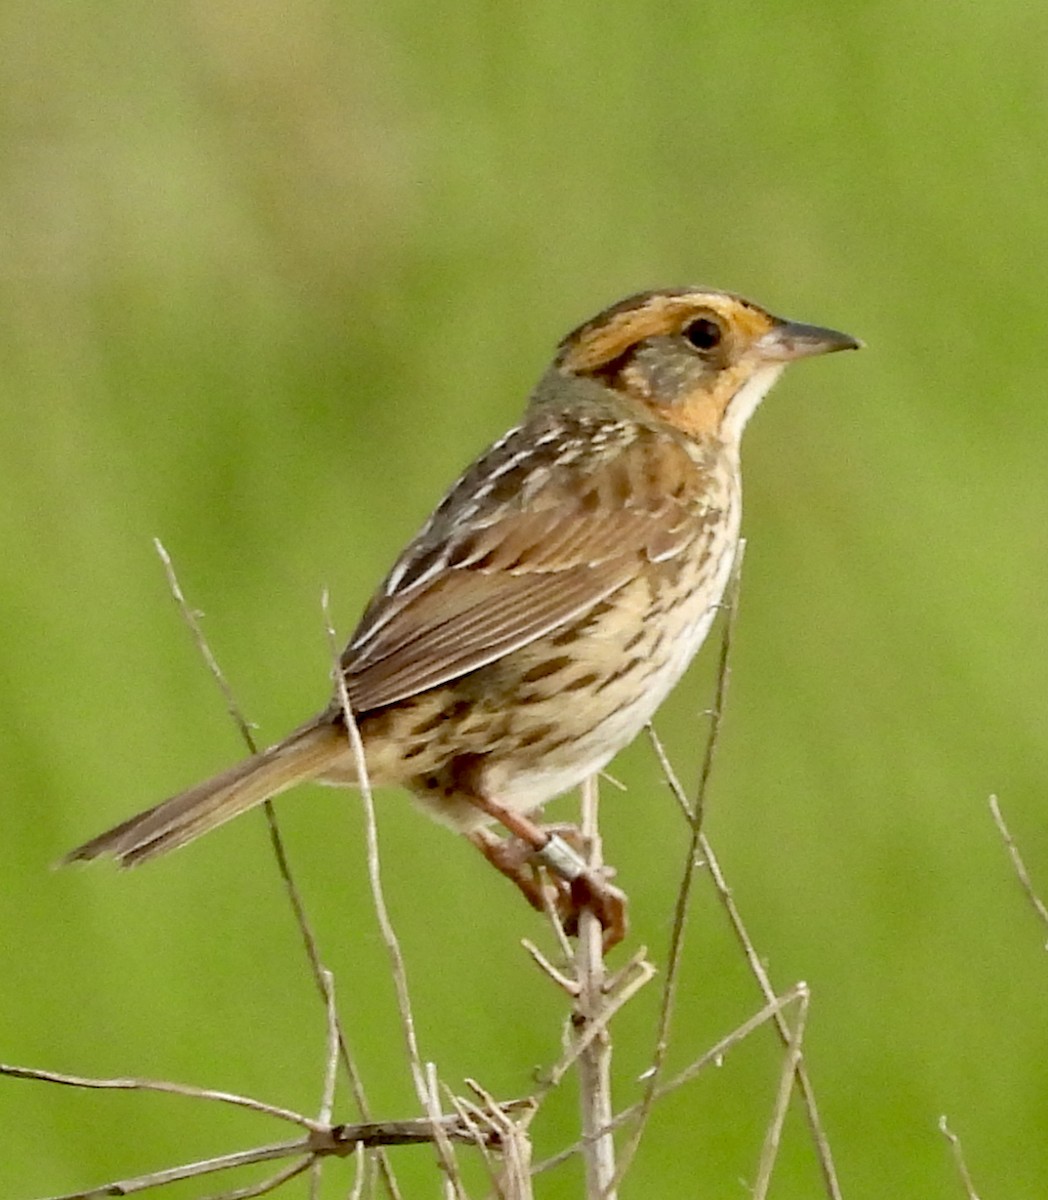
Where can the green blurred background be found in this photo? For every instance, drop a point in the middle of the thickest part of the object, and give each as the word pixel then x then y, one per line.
pixel 271 274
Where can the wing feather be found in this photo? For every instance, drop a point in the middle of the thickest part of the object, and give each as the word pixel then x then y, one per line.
pixel 498 568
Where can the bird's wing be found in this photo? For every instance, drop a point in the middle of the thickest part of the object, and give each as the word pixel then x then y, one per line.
pixel 519 548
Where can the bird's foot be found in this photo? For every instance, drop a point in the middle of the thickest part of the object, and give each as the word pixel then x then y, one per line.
pixel 568 884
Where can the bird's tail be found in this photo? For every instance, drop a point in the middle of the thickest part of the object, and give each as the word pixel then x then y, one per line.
pixel 301 756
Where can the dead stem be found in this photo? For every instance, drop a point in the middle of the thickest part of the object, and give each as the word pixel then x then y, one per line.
pixel 787 1078
pixel 595 1050
pixel 1018 865
pixel 713 1056
pixel 691 864
pixel 757 969
pixel 305 928
pixel 957 1150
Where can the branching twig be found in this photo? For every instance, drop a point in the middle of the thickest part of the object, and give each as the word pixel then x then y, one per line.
pixel 596 999
pixel 327 1099
pixel 360 1173
pixel 700 850
pixel 1019 866
pixel 327 1102
pixel 192 619
pixel 627 983
pixel 514 1180
pixel 757 968
pixel 694 814
pixel 210 1166
pixel 445 1152
pixel 163 1085
pixel 591 1032
pixel 787 1078
pixel 320 1140
pixel 378 895
pixel 267 1185
pixel 309 941
pixel 714 1055
pixel 958 1157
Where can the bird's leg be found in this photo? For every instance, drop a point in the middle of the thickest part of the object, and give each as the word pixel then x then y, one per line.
pixel 514 858
pixel 577 886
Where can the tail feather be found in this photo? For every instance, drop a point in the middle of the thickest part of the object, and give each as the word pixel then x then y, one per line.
pixel 303 755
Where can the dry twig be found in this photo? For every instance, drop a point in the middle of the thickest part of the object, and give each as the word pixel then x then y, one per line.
pixel 713 1056
pixel 1019 866
pixel 759 972
pixel 694 814
pixel 164 1086
pixel 309 941
pixel 378 895
pixel 773 1135
pixel 320 1140
pixel 590 1025
pixel 596 996
pixel 424 1078
pixel 958 1158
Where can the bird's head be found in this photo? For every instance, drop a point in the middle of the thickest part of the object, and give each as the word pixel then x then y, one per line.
pixel 698 360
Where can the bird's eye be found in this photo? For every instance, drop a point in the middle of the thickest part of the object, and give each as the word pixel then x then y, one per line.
pixel 704 334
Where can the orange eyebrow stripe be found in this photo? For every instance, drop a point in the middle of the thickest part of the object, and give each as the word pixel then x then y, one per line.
pixel 603 340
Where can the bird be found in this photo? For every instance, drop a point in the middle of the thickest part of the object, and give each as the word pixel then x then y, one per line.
pixel 551 601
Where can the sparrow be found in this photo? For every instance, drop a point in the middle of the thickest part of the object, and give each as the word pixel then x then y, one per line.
pixel 552 600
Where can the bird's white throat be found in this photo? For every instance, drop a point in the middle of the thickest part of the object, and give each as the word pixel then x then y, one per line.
pixel 744 403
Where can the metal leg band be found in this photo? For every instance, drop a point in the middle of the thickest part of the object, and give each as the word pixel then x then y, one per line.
pixel 561 858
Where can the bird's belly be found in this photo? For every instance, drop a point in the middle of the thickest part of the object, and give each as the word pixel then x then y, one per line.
pixel 599 728
pixel 542 719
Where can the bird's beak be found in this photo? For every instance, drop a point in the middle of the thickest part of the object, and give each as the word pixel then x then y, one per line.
pixel 790 339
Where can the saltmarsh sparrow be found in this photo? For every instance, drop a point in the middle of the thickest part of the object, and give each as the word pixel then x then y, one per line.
pixel 554 597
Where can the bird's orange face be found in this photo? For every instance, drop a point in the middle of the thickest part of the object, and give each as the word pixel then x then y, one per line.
pixel 698 360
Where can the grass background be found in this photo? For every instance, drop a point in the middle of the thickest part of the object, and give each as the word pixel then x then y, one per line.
pixel 270 274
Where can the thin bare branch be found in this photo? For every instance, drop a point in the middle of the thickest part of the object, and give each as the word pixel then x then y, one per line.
pixel 622 975
pixel 339 1141
pixel 305 928
pixel 192 619
pixel 692 861
pixel 378 896
pixel 957 1150
pixel 513 1181
pixel 209 1166
pixel 714 1055
pixel 470 1116
pixel 720 694
pixel 1018 864
pixel 675 786
pixel 556 924
pixel 759 972
pixel 309 941
pixel 543 963
pixel 593 1042
pixel 811 1108
pixel 453 1184
pixel 787 1077
pixel 327 1099
pixel 266 1185
pixel 316 1174
pixel 342 1140
pixel 360 1172
pixel 327 1102
pixel 321 1138
pixel 628 985
pixel 163 1085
